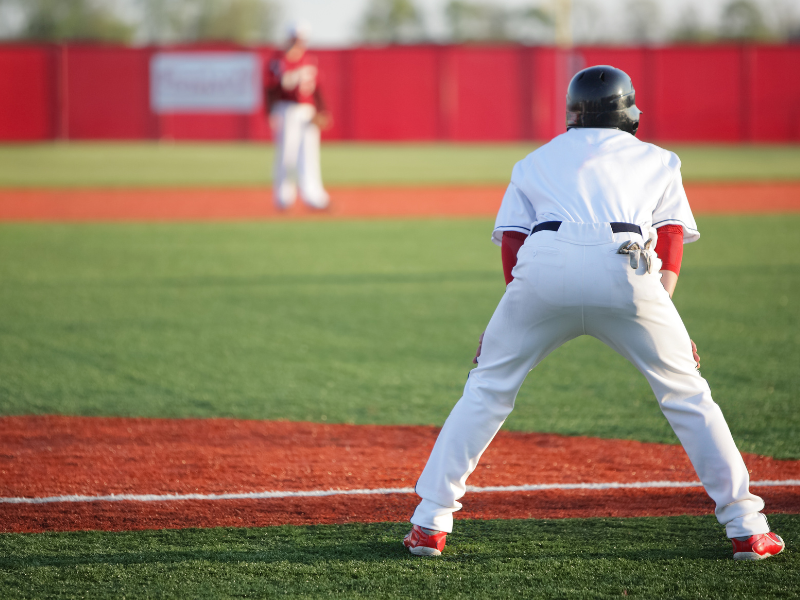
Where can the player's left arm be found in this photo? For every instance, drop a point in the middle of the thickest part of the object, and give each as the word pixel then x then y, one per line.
pixel 323 118
pixel 512 228
pixel 509 248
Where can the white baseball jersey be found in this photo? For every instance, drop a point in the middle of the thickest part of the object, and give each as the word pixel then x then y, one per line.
pixel 573 282
pixel 596 176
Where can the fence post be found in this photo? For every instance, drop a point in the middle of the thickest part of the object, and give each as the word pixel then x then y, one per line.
pixel 62 93
pixel 747 102
pixel 650 89
pixel 526 92
pixel 346 99
pixel 447 108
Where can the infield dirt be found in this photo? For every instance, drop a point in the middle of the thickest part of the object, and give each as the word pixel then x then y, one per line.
pixel 46 456
pixel 215 204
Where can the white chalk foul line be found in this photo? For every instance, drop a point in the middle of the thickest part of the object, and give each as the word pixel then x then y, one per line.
pixel 379 491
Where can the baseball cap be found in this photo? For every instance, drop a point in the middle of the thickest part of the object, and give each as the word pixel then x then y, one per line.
pixel 298 29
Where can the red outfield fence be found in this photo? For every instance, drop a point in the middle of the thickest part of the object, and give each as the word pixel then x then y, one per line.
pixel 459 93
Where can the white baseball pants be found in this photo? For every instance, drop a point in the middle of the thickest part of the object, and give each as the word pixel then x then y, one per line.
pixel 570 283
pixel 297 141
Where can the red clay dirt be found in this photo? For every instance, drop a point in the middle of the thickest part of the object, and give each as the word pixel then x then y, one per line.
pixel 210 204
pixel 54 455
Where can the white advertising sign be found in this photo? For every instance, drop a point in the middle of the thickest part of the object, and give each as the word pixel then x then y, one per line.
pixel 205 82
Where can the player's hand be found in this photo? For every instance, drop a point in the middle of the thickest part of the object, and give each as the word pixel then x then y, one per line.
pixel 694 353
pixel 478 352
pixel 274 121
pixel 323 120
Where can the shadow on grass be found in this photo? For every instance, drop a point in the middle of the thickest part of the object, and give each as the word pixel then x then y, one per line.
pixel 383 546
pixel 366 551
pixel 636 539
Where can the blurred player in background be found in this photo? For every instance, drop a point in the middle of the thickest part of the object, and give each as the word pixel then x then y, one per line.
pixel 296 115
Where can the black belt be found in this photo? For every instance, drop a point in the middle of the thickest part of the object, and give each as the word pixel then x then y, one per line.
pixel 615 227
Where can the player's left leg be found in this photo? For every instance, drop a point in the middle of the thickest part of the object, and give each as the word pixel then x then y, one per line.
pixel 309 173
pixel 533 318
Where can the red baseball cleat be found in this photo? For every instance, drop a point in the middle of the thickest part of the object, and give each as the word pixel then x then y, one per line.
pixel 757 547
pixel 425 542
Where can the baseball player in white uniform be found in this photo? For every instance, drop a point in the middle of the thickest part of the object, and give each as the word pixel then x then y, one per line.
pixel 578 226
pixel 296 113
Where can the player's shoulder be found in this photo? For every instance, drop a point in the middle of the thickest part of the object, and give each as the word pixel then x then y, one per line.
pixel 668 158
pixel 305 59
pixel 524 163
pixel 528 161
pixel 554 146
pixel 564 142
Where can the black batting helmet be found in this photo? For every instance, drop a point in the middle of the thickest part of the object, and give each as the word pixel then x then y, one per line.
pixel 604 97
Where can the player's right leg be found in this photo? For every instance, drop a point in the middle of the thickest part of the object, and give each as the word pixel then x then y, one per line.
pixel 531 321
pixel 287 146
pixel 645 328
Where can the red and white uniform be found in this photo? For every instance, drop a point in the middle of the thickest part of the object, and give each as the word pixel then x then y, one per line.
pixel 293 87
pixel 295 81
pixel 572 282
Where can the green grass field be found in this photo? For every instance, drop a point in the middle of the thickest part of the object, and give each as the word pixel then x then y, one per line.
pixel 676 558
pixel 363 322
pixel 371 322
pixel 164 164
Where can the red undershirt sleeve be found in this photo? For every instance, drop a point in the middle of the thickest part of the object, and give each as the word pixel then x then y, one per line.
pixel 669 247
pixel 512 242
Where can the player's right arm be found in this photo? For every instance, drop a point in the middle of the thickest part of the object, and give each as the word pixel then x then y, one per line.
pixel 273 84
pixel 675 224
pixel 270 98
pixel 669 249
